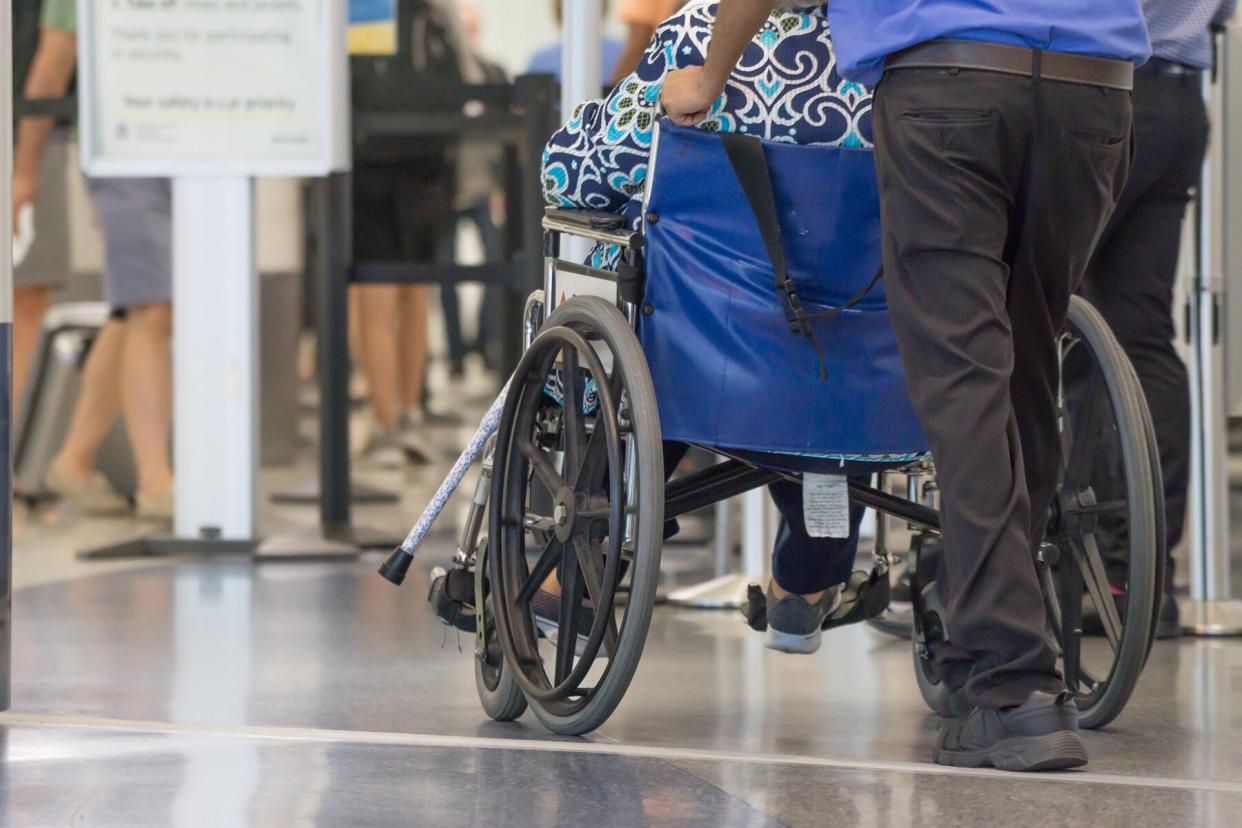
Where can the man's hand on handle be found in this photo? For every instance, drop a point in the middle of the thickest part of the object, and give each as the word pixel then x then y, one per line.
pixel 688 94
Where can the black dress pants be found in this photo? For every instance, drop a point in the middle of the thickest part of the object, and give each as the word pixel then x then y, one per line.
pixel 1131 276
pixel 994 189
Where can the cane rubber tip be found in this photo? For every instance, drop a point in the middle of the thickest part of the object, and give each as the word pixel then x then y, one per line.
pixel 396 567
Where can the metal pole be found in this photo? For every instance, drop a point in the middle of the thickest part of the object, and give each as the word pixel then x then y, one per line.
pixel 580 54
pixel 6 352
pixel 1210 612
pixel 332 214
pixel 580 78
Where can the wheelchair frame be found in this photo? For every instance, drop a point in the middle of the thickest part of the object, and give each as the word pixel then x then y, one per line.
pixel 1071 526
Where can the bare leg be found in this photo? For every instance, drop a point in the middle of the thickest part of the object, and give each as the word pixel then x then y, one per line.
pixel 99 402
pixel 377 323
pixel 146 394
pixel 412 340
pixel 29 306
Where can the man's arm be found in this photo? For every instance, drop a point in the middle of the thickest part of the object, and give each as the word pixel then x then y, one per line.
pixel 688 94
pixel 635 45
pixel 50 74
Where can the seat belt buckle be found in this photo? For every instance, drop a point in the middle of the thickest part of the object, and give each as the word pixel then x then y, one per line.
pixel 794 313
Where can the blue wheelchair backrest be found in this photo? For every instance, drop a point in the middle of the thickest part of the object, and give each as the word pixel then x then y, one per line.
pixel 727 369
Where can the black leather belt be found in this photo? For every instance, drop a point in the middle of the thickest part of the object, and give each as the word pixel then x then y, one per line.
pixel 1015 60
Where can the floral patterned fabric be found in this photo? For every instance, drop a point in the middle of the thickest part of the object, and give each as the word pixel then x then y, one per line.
pixel 785 88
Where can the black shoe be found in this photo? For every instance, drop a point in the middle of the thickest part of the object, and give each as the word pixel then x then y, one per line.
pixel 794 624
pixel 1041 734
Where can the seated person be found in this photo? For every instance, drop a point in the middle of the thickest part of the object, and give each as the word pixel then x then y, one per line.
pixel 778 92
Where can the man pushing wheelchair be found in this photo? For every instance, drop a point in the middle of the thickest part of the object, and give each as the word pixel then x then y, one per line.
pixel 734 301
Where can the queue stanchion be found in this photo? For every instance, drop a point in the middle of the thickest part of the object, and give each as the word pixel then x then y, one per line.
pixel 6 359
pixel 520 116
pixel 1212 610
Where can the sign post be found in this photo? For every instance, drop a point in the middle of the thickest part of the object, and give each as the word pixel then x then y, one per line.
pixel 6 358
pixel 211 94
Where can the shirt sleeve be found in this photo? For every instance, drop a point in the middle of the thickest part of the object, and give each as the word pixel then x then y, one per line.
pixel 598 160
pixel 59 14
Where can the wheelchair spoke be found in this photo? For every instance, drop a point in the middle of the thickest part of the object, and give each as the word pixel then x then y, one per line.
pixel 567 626
pixel 573 431
pixel 591 564
pixel 1069 595
pixel 1103 508
pixel 1087 554
pixel 589 476
pixel 544 470
pixel 1084 435
pixel 551 557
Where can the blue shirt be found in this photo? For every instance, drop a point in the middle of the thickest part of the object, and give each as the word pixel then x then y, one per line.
pixel 547 61
pixel 865 32
pixel 1181 29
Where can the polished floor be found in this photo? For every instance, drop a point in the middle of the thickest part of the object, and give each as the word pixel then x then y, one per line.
pixel 224 692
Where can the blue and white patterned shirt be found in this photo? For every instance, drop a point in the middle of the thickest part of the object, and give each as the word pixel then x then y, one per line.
pixel 1180 30
pixel 785 88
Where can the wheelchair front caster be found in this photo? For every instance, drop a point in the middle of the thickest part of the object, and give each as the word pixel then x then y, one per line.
pixel 499 694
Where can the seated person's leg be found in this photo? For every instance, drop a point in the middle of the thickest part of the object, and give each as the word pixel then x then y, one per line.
pixel 807 574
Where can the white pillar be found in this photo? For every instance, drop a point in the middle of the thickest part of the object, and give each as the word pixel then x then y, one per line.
pixel 215 357
pixel 580 53
pixel 1210 612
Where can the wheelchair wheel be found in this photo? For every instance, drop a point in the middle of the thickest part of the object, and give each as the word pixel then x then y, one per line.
pixel 499 693
pixel 1108 522
pixel 578 477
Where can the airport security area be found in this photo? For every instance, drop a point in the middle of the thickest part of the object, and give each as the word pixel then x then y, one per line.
pixel 394 442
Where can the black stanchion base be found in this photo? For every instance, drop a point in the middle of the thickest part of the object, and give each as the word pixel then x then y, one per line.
pixel 307 494
pixel 323 543
pixel 165 545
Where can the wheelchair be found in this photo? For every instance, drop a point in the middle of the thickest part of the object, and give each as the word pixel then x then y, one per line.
pixel 574 481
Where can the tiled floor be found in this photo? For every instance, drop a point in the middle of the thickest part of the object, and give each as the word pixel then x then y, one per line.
pixel 222 692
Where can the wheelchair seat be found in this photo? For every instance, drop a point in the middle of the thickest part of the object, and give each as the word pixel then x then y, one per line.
pixel 728 372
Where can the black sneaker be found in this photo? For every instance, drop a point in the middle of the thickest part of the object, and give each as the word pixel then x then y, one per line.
pixel 1041 734
pixel 794 623
pixel 547 610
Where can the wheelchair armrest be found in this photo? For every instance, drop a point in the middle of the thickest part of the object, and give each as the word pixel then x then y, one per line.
pixel 596 225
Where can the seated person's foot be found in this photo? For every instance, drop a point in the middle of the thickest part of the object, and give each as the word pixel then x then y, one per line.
pixel 794 621
pixel 1040 734
pixel 92 493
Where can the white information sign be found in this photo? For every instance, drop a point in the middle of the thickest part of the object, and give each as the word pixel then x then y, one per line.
pixel 221 87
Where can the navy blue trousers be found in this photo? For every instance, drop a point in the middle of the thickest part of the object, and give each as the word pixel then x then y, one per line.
pixel 801 564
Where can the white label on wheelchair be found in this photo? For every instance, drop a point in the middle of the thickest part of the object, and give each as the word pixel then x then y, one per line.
pixel 826 505
pixel 567 284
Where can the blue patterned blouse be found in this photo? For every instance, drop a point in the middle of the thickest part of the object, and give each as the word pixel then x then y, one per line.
pixel 785 88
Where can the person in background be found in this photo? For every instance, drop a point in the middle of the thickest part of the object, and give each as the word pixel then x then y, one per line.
pixel 480 198
pixel 547 61
pixel 641 18
pixel 46 262
pixel 403 191
pixel 129 366
pixel 1132 273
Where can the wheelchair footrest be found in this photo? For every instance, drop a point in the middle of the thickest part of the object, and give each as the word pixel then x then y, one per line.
pixel 866 595
pixel 452 598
